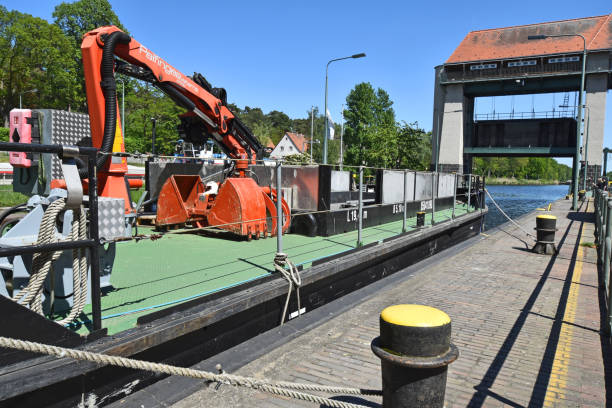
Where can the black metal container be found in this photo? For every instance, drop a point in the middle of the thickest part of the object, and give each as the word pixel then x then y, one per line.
pixel 420 218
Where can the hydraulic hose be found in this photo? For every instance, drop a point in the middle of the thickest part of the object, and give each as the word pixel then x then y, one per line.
pixel 109 86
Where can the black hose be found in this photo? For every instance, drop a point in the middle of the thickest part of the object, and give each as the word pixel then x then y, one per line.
pixel 109 87
pixel 11 210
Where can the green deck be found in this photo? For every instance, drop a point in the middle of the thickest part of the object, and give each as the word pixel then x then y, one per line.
pixel 152 275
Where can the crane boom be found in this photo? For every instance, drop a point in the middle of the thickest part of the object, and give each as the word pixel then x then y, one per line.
pixel 207 116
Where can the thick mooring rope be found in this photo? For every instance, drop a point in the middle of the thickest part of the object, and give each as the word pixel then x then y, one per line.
pixel 42 262
pixel 292 276
pixel 509 219
pixel 282 388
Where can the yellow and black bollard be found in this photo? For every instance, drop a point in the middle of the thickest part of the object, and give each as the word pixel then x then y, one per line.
pixel 581 195
pixel 415 350
pixel 420 218
pixel 546 226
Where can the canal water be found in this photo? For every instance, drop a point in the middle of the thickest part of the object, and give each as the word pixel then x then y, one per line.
pixel 519 200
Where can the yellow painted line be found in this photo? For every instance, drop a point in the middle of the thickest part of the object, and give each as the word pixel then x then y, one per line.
pixel 556 390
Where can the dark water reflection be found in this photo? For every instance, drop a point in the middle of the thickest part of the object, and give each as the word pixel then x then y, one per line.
pixel 519 200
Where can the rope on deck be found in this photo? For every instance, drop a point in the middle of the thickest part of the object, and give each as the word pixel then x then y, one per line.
pixel 509 219
pixel 42 262
pixel 279 388
pixel 293 278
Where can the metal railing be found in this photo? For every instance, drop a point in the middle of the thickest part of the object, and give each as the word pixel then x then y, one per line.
pixel 92 243
pixel 525 115
pixel 603 239
pixel 438 189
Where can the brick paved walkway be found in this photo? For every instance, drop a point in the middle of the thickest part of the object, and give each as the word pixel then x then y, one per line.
pixel 527 326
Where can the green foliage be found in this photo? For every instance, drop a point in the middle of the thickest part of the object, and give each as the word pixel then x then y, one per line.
pixel 413 147
pixel 532 168
pixel 297 159
pixel 142 103
pixel 370 130
pixel 80 17
pixel 4 134
pixel 373 137
pixel 37 62
pixel 74 20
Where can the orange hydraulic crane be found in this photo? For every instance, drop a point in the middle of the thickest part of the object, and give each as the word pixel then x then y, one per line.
pixel 239 205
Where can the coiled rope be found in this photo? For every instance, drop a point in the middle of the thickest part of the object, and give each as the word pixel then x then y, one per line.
pixel 509 219
pixel 42 262
pixel 282 388
pixel 292 276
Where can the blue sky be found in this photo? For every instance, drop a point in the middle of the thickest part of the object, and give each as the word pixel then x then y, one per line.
pixel 272 54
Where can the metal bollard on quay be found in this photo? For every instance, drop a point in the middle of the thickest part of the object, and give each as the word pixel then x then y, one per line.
pixel 420 221
pixel 581 195
pixel 415 350
pixel 545 234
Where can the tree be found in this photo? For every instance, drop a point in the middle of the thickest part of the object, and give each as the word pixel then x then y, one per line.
pixel 82 16
pixel 78 18
pixel 413 147
pixel 370 129
pixel 36 62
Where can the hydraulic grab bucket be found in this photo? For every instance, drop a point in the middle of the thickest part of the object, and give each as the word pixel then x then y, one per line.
pixel 180 201
pixel 240 206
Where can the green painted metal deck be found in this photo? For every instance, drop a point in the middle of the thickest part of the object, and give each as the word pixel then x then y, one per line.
pixel 151 275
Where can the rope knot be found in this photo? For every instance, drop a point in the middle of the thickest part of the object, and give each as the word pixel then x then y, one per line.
pixel 280 258
pixel 292 276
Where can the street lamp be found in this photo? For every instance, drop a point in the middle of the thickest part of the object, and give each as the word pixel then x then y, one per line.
pixel 586 141
pixel 361 55
pixel 25 92
pixel 580 106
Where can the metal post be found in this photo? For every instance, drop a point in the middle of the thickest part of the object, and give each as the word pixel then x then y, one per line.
pixel 405 200
pixel 279 209
pixel 607 220
pixel 154 121
pixel 96 304
pixel 311 131
pixel 469 192
pixel 20 100
pixel 454 197
pixel 342 139
pixel 325 114
pixel 586 148
pixel 360 215
pixel 578 127
pixel 607 250
pixel 433 198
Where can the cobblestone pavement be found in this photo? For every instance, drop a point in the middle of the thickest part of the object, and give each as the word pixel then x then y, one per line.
pixel 527 327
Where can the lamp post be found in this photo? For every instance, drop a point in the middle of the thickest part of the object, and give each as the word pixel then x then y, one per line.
pixel 25 92
pixel 361 55
pixel 311 130
pixel 122 105
pixel 586 141
pixel 153 135
pixel 580 106
pixel 341 139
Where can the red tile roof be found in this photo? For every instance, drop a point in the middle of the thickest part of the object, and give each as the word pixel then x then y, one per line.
pixel 298 140
pixel 512 42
